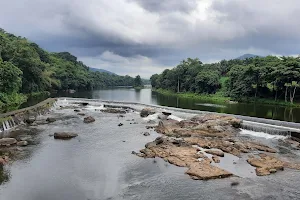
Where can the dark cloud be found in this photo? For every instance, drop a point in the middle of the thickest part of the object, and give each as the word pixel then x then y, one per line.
pixel 147 36
pixel 167 5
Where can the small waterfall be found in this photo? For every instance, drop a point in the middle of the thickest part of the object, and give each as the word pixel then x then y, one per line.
pixel 266 129
pixel 8 124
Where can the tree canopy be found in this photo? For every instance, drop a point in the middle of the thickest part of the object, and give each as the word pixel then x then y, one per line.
pixel 27 68
pixel 259 77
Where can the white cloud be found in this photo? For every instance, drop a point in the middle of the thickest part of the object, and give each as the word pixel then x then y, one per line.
pixel 136 65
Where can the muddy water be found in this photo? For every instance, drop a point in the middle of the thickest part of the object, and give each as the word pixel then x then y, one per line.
pixel 98 164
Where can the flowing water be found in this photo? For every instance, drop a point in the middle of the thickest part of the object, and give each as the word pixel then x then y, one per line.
pixel 98 164
pixel 149 97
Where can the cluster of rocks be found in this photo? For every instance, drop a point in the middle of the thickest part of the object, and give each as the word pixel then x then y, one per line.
pixel 216 135
pixel 7 142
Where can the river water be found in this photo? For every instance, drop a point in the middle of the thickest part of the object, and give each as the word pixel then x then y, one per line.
pixel 150 97
pixel 98 164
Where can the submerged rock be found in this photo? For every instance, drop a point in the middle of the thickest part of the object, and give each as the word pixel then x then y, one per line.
pixel 147 111
pixel 88 119
pixel 7 141
pixel 146 134
pixel 50 120
pixel 77 110
pixel 81 114
pixel 114 111
pixel 64 135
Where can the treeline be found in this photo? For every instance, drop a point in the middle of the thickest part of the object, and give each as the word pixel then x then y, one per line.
pixel 26 68
pixel 259 77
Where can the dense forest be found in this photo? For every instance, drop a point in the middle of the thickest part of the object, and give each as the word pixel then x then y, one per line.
pixel 270 77
pixel 26 68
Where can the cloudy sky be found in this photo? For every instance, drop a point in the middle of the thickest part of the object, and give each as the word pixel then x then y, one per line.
pixel 147 36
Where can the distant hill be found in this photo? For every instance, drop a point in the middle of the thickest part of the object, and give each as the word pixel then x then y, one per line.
pixel 243 57
pixel 101 70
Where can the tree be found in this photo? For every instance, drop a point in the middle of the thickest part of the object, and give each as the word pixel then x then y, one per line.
pixel 138 81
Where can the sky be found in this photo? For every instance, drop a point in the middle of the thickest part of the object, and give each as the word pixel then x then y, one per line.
pixel 147 36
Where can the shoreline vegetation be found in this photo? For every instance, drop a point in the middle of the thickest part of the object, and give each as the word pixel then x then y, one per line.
pixel 219 98
pixel 268 80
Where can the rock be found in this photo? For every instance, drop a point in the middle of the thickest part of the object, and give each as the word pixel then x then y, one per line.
pixel 88 119
pixel 162 117
pixel 147 111
pixel 27 138
pixel 22 143
pixel 215 152
pixel 50 120
pixel 120 124
pixel 266 163
pixel 262 172
pixel 234 183
pixel 7 141
pixel 121 116
pixel 137 154
pixel 3 161
pixel 166 113
pixel 84 104
pixel 114 111
pixel 176 161
pixel 205 171
pixel 150 145
pixel 216 159
pixel 64 135
pixel 81 114
pixel 30 120
pixel 77 110
pixel 159 140
pixel 146 134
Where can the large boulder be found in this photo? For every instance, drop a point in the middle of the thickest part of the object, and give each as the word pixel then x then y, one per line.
pixel 7 141
pixel 88 119
pixel 64 135
pixel 147 111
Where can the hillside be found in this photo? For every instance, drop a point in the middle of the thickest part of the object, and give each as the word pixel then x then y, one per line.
pixel 243 57
pixel 100 70
pixel 26 68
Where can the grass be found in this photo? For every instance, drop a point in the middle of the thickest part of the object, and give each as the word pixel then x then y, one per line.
pixel 207 97
pixel 218 97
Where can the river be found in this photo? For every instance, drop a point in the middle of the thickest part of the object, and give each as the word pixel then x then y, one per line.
pixel 150 97
pixel 98 164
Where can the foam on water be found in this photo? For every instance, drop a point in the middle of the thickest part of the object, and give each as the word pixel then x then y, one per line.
pixel 174 117
pixel 261 134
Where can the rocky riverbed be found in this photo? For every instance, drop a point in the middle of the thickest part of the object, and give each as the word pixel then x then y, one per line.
pixel 189 142
pixel 80 151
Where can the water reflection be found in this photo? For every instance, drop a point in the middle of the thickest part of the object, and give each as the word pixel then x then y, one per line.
pixel 149 97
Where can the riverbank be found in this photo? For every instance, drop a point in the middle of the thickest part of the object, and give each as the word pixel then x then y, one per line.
pixel 219 98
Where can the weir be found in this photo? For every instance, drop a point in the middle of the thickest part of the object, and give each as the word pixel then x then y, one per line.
pixel 270 126
pixel 14 118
